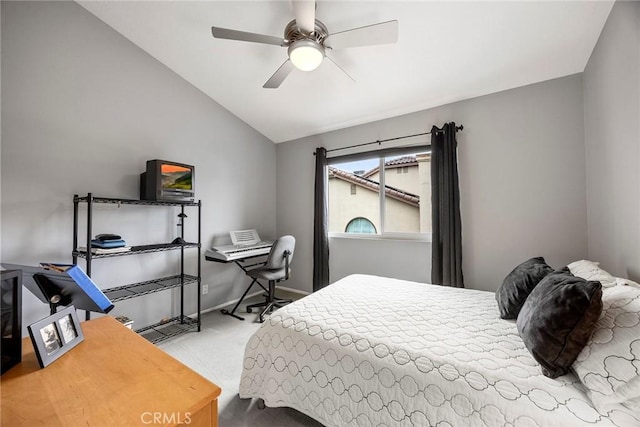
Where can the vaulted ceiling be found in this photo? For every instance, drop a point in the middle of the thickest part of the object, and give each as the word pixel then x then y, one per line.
pixel 446 51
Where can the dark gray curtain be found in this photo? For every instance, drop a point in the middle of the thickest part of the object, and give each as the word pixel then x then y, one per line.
pixel 320 224
pixel 446 248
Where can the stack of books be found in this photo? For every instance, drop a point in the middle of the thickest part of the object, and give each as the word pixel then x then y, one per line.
pixel 125 321
pixel 107 244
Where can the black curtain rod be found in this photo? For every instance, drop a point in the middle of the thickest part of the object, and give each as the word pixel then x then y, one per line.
pixel 380 141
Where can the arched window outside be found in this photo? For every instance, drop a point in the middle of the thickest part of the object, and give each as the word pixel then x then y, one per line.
pixel 361 226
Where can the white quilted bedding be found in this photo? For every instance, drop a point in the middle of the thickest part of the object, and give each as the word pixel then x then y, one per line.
pixel 373 351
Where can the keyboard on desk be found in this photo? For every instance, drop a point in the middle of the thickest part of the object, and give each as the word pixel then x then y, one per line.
pixel 235 252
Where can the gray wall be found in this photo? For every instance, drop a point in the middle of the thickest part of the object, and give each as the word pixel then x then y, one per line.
pixel 612 135
pixel 82 110
pixel 522 179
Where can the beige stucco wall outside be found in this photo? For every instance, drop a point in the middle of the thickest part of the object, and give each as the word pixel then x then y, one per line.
pixel 343 206
pixel 400 217
pixel 406 181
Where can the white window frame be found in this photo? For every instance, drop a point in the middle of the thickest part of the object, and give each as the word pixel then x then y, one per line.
pixel 384 235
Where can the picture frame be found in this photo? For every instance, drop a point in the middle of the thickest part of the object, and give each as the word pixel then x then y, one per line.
pixel 55 335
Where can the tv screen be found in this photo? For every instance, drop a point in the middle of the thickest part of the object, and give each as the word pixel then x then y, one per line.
pixel 176 177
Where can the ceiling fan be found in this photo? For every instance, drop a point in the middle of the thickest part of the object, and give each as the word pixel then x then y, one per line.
pixel 307 40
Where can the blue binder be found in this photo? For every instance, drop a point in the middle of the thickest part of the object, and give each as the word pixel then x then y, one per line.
pixel 68 282
pixel 108 243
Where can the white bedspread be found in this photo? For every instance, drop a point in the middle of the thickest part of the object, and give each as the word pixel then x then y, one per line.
pixel 371 351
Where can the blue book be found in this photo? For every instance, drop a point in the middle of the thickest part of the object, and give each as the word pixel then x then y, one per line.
pixel 108 243
pixel 87 295
pixel 66 281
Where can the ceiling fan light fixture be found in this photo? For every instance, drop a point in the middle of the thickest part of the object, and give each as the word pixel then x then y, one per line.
pixel 306 55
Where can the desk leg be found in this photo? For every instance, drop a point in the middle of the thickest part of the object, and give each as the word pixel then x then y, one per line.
pixel 233 311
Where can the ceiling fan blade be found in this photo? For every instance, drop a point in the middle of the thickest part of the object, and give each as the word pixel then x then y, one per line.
pixel 305 11
pixel 382 33
pixel 340 68
pixel 225 33
pixel 279 76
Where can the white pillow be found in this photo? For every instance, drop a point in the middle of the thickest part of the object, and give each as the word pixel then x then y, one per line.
pixel 609 365
pixel 628 282
pixel 589 270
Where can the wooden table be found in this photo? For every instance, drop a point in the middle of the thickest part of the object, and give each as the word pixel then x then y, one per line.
pixel 113 378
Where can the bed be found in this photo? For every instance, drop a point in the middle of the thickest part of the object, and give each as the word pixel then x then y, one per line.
pixel 371 351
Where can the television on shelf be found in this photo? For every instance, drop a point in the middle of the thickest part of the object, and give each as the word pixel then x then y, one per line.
pixel 167 181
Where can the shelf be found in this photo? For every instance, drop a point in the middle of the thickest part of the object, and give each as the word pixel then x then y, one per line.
pixel 170 328
pixel 135 202
pixel 121 293
pixel 143 249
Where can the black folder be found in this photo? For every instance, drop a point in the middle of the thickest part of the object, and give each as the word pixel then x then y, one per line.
pixel 68 282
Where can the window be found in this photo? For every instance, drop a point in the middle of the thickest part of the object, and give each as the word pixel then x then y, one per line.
pixel 358 205
pixel 360 226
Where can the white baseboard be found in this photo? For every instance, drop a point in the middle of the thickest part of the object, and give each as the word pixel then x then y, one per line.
pixel 233 301
pixel 295 291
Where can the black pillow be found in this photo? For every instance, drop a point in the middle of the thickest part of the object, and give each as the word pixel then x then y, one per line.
pixel 558 319
pixel 518 284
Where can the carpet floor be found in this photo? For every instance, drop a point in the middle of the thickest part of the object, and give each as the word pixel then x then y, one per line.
pixel 216 353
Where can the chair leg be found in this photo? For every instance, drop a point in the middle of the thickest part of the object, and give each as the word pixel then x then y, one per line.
pixel 272 290
pixel 270 303
pixel 266 310
pixel 281 303
pixel 268 298
pixel 257 305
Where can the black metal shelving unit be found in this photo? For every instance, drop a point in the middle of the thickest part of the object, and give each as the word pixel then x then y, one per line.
pixel 166 328
pixel 170 328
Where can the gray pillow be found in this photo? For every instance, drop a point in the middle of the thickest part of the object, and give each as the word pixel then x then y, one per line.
pixel 518 284
pixel 558 318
